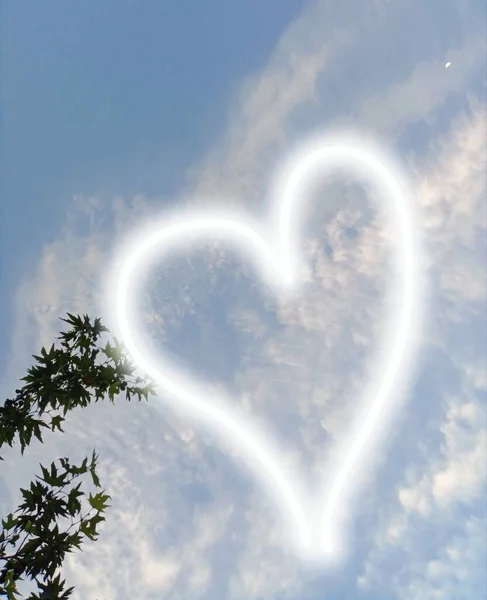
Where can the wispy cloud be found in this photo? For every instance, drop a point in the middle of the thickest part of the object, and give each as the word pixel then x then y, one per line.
pixel 435 495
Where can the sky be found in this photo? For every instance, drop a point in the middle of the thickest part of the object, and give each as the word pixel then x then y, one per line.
pixel 115 113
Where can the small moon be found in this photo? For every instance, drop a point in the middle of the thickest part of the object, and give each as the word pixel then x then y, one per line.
pixel 447 65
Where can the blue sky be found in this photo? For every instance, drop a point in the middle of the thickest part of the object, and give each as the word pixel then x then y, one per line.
pixel 115 111
pixel 87 106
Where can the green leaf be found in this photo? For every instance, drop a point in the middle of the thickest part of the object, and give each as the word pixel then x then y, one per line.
pixel 52 478
pixel 88 530
pixel 94 478
pixel 31 546
pixel 98 501
pixel 61 379
pixel 56 422
pixel 9 522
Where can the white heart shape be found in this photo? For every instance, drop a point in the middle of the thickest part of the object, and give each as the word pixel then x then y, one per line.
pixel 277 258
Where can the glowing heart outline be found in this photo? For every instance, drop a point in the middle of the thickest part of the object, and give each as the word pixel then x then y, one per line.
pixel 276 259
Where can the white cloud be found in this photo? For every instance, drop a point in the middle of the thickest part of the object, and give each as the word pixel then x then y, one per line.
pixel 420 95
pixel 458 573
pixel 460 476
pixel 433 559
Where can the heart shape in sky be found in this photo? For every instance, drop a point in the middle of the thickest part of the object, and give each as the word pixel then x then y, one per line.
pixel 316 520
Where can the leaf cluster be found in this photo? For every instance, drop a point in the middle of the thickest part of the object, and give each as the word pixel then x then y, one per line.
pixel 33 544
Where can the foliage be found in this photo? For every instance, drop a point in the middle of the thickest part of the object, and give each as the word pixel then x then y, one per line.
pixel 33 544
